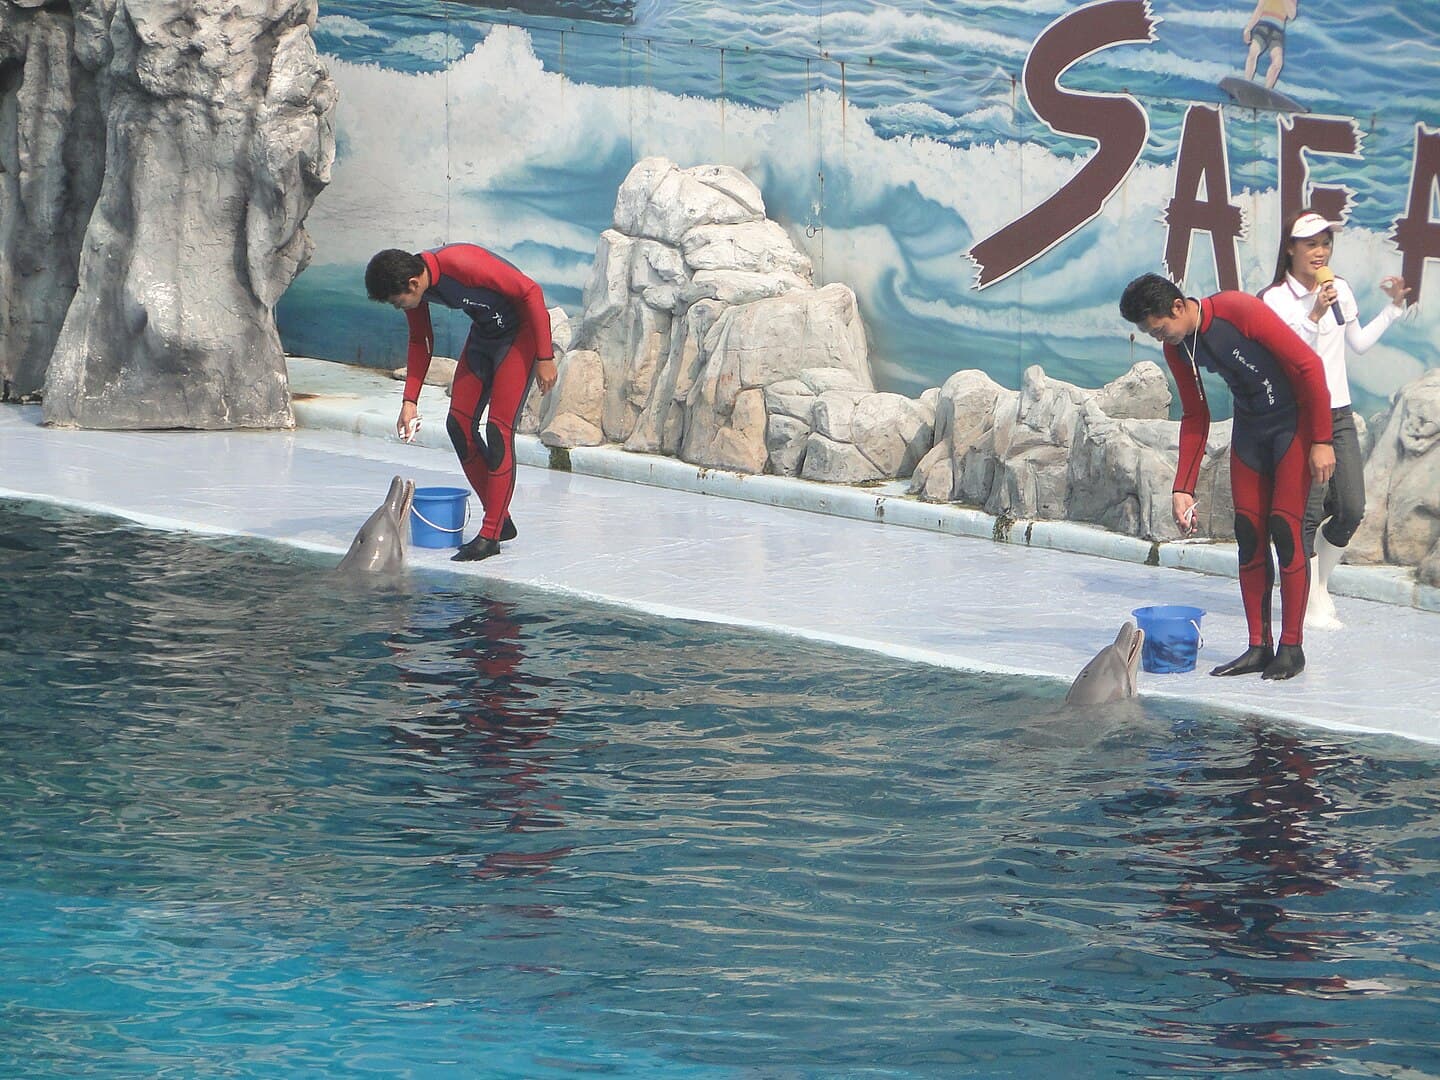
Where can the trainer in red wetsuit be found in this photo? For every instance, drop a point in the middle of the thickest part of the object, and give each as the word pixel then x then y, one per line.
pixel 510 329
pixel 1280 443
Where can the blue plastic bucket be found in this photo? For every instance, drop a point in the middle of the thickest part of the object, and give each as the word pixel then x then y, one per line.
pixel 1172 637
pixel 437 520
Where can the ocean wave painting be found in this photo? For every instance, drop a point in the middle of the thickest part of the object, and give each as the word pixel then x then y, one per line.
pixel 615 11
pixel 890 139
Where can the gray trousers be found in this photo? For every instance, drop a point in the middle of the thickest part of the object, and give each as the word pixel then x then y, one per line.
pixel 1343 499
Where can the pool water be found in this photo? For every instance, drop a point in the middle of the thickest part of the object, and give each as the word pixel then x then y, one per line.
pixel 257 820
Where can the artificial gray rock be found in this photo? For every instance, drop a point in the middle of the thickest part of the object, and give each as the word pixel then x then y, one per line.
pixel 893 432
pixel 1428 572
pixel 837 462
pixel 567 413
pixel 680 199
pixel 785 441
pixel 661 425
pixel 441 372
pixel 1053 450
pixel 754 345
pixel 216 138
pixel 51 164
pixel 964 419
pixel 739 286
pixel 850 376
pixel 562 332
pixel 695 300
pixel 1402 484
pixel 1142 393
pixel 739 442
pixel 758 247
pixel 791 398
pixel 833 412
pixel 934 477
pixel 1121 474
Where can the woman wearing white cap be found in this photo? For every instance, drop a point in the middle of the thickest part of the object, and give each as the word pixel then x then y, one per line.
pixel 1321 308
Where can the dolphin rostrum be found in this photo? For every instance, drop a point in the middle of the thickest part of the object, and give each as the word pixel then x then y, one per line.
pixel 1110 676
pixel 379 546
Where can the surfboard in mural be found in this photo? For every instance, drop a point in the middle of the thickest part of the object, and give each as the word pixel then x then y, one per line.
pixel 1255 96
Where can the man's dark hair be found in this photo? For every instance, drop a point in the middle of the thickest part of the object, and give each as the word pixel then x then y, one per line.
pixel 1147 295
pixel 390 271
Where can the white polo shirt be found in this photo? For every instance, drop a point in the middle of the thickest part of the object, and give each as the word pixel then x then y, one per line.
pixel 1293 303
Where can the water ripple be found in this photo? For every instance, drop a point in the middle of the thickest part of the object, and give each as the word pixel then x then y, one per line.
pixel 250 826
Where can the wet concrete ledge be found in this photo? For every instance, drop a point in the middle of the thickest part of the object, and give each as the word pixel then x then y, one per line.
pixel 364 401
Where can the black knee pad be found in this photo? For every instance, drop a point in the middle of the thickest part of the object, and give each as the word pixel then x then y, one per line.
pixel 494 447
pixel 457 436
pixel 1283 537
pixel 1246 538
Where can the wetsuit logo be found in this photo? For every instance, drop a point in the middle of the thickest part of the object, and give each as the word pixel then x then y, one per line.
pixel 482 313
pixel 1264 381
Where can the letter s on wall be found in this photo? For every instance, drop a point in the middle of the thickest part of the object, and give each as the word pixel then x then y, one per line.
pixel 1116 122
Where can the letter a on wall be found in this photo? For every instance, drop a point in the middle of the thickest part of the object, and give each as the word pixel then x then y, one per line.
pixel 1116 122
pixel 1203 161
pixel 1417 234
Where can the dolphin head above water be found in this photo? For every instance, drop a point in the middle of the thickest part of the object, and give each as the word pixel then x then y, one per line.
pixel 1111 675
pixel 379 546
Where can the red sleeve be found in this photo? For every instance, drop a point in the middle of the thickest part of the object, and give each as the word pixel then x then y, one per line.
pixel 1194 420
pixel 471 264
pixel 1302 366
pixel 422 345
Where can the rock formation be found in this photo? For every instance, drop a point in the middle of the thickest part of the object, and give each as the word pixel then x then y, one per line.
pixel 696 306
pixel 159 159
pixel 1402 485
pixel 51 164
pixel 1053 450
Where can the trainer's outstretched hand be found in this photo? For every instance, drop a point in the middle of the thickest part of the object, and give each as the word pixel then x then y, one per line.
pixel 408 422
pixel 1185 512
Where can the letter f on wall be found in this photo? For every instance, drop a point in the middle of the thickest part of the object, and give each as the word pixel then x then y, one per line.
pixel 1116 122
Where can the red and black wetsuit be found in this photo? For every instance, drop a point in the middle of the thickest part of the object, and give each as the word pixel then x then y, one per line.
pixel 1282 408
pixel 511 326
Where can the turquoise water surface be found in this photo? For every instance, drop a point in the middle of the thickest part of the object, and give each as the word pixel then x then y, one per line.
pixel 259 821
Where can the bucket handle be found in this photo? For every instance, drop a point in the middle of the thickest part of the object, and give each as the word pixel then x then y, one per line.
pixel 441 528
pixel 1200 644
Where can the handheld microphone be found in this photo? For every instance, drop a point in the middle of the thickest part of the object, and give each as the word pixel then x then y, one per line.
pixel 1324 276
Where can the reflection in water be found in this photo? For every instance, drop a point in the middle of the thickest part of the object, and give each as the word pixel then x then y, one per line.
pixel 1261 840
pixel 475 673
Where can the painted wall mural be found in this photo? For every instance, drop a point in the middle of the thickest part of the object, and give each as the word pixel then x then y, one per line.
pixel 986 174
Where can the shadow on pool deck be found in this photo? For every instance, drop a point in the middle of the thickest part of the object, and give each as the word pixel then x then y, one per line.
pixel 929 584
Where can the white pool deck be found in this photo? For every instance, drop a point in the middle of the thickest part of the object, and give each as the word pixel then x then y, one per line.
pixel 867 568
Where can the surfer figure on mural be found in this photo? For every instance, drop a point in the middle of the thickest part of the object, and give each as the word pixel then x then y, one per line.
pixel 1265 32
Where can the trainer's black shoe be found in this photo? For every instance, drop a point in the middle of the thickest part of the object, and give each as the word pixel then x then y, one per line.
pixel 1289 661
pixel 1254 659
pixel 482 547
pixel 508 530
